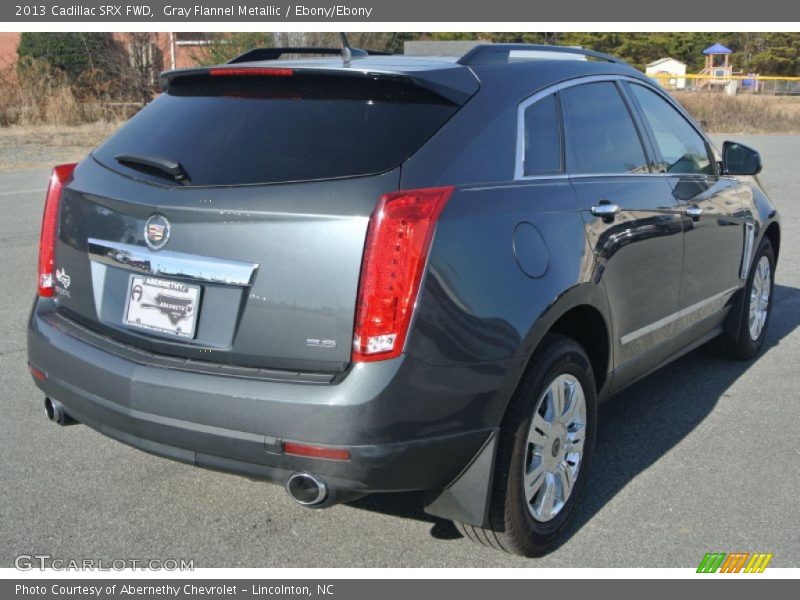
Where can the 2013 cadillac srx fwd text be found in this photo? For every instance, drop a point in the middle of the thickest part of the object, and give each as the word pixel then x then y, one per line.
pixel 363 273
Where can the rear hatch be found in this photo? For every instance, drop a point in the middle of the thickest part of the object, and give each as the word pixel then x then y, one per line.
pixel 226 221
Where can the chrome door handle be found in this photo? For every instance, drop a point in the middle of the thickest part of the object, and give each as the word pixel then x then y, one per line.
pixel 694 211
pixel 607 210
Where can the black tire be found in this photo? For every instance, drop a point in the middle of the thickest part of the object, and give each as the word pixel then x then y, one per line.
pixel 740 344
pixel 513 527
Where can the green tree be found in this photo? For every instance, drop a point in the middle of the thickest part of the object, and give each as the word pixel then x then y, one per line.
pixel 74 54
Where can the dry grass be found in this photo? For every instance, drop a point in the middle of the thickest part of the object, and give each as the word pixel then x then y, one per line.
pixel 41 96
pixel 40 146
pixel 744 113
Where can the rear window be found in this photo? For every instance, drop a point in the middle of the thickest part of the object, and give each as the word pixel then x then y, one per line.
pixel 249 130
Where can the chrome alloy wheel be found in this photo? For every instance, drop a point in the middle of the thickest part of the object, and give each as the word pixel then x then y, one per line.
pixel 554 448
pixel 759 297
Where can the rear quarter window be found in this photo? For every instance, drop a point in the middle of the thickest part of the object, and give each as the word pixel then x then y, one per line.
pixel 253 130
pixel 542 138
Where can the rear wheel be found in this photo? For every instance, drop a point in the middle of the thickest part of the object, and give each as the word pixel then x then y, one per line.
pixel 546 442
pixel 755 306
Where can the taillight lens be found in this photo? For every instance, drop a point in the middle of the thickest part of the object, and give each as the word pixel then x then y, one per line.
pixel 398 240
pixel 61 176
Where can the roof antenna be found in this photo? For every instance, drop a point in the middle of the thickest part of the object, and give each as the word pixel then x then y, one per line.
pixel 347 51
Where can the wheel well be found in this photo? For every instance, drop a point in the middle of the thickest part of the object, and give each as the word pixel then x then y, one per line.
pixel 586 325
pixel 773 234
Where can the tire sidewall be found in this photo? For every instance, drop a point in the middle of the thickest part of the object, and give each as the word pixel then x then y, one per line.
pixel 571 361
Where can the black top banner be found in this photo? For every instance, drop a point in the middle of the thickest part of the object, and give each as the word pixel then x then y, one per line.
pixel 471 11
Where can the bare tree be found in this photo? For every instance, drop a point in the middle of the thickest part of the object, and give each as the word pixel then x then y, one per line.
pixel 146 61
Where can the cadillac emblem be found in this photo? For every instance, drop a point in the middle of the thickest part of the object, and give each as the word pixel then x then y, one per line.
pixel 156 232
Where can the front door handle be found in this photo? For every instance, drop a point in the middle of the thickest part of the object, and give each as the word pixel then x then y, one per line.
pixel 694 211
pixel 605 209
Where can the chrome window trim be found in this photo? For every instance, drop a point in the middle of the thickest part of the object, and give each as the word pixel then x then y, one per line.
pixel 552 89
pixel 520 149
pixel 165 263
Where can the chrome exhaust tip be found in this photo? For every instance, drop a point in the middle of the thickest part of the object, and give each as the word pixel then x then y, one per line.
pixel 306 489
pixel 55 412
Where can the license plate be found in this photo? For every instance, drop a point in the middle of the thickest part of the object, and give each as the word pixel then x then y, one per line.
pixel 162 305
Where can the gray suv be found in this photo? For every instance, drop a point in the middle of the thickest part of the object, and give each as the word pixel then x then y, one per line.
pixel 368 274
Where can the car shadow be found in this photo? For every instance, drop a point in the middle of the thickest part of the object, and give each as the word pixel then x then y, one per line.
pixel 679 396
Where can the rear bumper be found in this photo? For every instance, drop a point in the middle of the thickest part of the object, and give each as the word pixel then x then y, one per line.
pixel 407 426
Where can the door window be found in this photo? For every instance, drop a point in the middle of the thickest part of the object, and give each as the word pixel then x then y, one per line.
pixel 600 134
pixel 683 150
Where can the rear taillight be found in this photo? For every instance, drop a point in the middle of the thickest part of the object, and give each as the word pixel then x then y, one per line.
pixel 62 174
pixel 398 240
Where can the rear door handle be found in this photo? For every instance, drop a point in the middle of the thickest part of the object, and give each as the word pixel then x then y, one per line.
pixel 605 209
pixel 694 211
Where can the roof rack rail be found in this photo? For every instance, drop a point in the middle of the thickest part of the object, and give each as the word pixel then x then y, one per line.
pixel 500 53
pixel 275 53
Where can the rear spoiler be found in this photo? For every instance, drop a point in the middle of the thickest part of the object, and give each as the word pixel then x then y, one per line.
pixel 257 54
pixel 454 84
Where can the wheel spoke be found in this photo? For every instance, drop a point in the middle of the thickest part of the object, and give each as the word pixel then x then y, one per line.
pixel 534 480
pixel 557 398
pixel 565 476
pixel 540 431
pixel 571 392
pixel 576 401
pixel 547 499
pixel 574 444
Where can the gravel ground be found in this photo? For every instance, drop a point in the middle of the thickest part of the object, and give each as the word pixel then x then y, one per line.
pixel 701 456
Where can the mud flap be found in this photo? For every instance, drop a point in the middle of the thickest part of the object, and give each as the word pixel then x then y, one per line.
pixel 466 499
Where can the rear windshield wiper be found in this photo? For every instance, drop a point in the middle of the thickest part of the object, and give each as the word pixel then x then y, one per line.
pixel 155 164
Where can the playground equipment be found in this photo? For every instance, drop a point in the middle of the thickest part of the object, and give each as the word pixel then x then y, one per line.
pixel 718 73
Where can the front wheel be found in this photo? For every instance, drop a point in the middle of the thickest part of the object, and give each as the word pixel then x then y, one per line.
pixel 755 307
pixel 545 445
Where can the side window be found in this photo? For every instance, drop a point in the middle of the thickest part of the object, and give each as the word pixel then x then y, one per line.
pixel 600 134
pixel 682 149
pixel 542 150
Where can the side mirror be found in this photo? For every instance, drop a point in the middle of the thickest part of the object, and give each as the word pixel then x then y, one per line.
pixel 738 159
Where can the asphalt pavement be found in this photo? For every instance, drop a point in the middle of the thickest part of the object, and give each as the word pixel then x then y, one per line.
pixel 703 456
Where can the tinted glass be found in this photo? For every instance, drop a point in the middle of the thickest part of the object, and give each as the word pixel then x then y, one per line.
pixel 601 137
pixel 237 130
pixel 542 138
pixel 682 149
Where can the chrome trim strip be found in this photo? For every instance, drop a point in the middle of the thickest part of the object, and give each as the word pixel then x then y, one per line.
pixel 635 335
pixel 747 253
pixel 165 263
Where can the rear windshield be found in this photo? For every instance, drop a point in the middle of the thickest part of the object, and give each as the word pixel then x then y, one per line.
pixel 248 130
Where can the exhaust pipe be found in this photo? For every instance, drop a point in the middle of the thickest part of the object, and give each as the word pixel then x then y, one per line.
pixel 307 489
pixel 55 412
